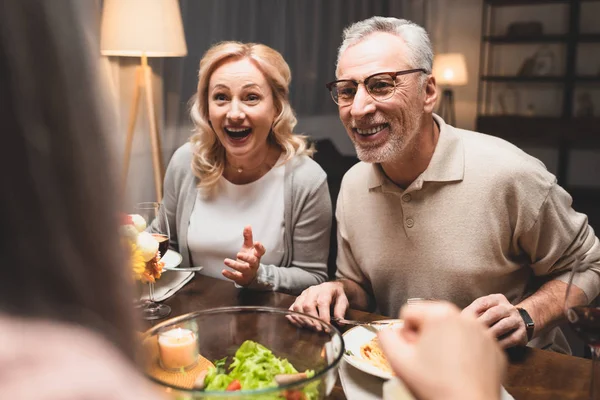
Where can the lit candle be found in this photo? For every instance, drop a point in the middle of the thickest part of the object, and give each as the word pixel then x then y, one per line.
pixel 177 349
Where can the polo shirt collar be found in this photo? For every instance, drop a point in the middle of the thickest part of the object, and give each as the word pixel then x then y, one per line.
pixel 376 178
pixel 447 163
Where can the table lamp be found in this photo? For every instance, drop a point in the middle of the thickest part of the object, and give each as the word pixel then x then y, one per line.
pixel 142 28
pixel 449 69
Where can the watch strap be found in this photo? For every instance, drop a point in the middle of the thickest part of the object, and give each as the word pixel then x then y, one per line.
pixel 529 324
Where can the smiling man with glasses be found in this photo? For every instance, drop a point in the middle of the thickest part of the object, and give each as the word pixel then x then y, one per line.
pixel 438 212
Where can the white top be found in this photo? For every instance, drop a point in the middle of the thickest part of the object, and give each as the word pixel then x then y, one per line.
pixel 217 224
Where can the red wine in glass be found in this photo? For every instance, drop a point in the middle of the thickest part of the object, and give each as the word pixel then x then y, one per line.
pixel 163 243
pixel 585 321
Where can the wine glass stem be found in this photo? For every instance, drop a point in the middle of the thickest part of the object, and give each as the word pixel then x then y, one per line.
pixel 151 291
pixel 152 305
pixel 595 378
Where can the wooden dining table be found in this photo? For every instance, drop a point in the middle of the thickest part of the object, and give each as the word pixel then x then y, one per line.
pixel 532 374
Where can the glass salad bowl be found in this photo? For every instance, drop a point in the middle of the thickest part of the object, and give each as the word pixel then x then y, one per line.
pixel 243 353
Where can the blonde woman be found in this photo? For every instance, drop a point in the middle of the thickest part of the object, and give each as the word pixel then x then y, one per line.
pixel 245 176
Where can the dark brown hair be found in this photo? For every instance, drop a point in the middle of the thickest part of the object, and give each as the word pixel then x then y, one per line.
pixel 60 252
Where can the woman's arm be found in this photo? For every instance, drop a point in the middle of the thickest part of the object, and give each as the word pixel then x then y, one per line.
pixel 310 247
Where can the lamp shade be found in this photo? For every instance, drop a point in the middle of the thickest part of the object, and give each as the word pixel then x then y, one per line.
pixel 136 27
pixel 450 69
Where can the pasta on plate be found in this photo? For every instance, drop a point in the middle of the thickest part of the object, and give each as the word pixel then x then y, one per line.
pixel 372 353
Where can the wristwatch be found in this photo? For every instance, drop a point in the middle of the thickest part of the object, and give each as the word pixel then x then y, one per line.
pixel 529 324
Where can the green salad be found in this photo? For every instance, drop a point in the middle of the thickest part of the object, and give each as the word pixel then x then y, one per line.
pixel 254 367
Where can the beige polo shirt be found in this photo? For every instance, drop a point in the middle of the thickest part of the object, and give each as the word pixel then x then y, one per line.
pixel 483 218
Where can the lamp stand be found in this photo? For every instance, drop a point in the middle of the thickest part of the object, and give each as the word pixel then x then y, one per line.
pixel 143 80
pixel 446 108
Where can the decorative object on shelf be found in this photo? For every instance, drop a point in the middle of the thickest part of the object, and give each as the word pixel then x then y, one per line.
pixel 527 67
pixel 449 69
pixel 541 63
pixel 530 110
pixel 544 62
pixel 508 101
pixel 525 29
pixel 584 106
pixel 141 28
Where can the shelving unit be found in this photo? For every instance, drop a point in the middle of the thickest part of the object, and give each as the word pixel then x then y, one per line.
pixel 563 131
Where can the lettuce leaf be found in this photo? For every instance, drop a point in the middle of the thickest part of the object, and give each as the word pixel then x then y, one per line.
pixel 255 366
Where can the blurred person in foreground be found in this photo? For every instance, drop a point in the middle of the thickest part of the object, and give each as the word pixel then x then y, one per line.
pixel 438 212
pixel 440 353
pixel 66 317
pixel 245 174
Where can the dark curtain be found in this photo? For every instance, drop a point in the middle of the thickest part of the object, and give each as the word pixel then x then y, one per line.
pixel 306 32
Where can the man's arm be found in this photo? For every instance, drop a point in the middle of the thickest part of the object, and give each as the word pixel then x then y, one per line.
pixel 558 240
pixel 358 298
pixel 546 305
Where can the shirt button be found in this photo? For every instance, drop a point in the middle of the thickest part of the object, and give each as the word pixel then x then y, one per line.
pixel 406 198
pixel 410 223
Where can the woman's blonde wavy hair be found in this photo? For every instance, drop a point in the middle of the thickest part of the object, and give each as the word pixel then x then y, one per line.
pixel 208 161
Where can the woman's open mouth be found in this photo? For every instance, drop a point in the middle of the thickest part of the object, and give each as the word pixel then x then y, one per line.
pixel 238 134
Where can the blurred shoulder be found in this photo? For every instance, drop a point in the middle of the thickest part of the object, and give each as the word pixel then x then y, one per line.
pixel 180 165
pixel 183 155
pixel 358 176
pixel 65 351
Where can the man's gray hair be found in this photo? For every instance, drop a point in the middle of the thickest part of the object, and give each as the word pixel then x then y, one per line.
pixel 416 38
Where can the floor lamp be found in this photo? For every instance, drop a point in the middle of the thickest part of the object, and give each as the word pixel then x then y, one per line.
pixel 449 70
pixel 142 28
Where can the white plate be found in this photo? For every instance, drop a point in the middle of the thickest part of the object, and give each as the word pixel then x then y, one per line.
pixel 172 259
pixel 353 340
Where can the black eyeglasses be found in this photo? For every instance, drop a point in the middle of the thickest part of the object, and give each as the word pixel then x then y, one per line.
pixel 381 86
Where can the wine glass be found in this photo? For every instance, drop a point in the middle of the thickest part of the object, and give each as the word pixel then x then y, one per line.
pixel 585 321
pixel 158 226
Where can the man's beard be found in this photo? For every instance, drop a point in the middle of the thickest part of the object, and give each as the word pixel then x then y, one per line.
pixel 396 144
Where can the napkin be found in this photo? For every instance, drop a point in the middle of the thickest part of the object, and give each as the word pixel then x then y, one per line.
pixel 168 284
pixel 359 385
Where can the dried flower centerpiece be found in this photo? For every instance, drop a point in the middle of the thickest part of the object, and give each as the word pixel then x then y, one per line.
pixel 145 257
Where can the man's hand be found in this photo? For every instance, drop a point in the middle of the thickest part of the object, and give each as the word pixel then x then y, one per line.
pixel 441 354
pixel 502 318
pixel 317 301
pixel 248 261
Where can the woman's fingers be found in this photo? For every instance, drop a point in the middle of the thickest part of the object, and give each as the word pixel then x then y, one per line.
pixel 248 258
pixel 259 249
pixel 233 275
pixel 248 240
pixel 242 267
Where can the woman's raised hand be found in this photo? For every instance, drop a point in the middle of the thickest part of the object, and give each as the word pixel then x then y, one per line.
pixel 248 260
